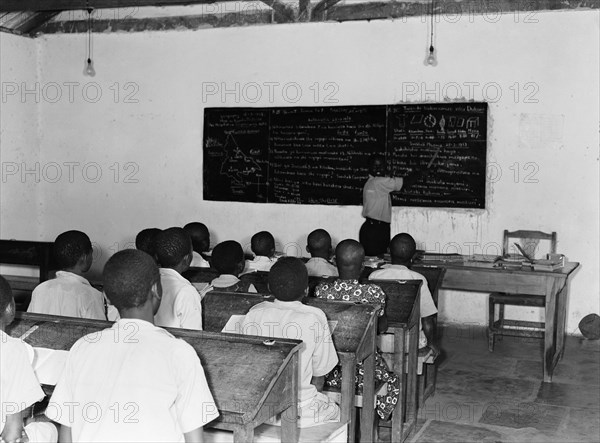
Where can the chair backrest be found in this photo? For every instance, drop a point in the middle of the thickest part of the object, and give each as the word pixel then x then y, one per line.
pixel 260 280
pixel 201 275
pixel 400 299
pixel 529 241
pixel 218 306
pixel 434 276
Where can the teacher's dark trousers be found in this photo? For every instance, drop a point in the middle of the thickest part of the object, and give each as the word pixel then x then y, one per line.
pixel 374 235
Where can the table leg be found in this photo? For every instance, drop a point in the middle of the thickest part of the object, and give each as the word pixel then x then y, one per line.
pixel 348 390
pixel 367 413
pixel 243 434
pixel 399 369
pixel 289 422
pixel 563 297
pixel 549 335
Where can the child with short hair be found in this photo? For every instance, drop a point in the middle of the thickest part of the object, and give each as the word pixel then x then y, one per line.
pixel 19 386
pixel 402 250
pixel 350 256
pixel 288 281
pixel 263 246
pixel 319 247
pixel 228 260
pixel 145 384
pixel 181 303
pixel 70 294
pixel 200 242
pixel 145 241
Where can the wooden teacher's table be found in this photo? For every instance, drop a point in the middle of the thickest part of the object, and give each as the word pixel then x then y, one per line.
pixel 353 338
pixel 251 381
pixel 554 285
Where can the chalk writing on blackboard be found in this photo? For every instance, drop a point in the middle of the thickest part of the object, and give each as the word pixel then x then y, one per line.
pixel 319 155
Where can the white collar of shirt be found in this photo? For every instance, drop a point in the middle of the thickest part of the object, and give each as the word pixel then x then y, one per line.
pixel 226 279
pixel 72 276
pixel 320 259
pixel 173 273
pixel 263 258
pixel 391 266
pixel 287 304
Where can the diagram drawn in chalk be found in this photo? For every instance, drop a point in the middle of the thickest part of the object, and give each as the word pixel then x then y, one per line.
pixel 240 168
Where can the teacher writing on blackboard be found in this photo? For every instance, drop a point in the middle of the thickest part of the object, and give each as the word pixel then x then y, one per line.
pixel 377 204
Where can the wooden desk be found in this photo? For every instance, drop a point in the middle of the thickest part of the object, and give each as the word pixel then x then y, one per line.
pixel 353 338
pixel 250 381
pixel 554 285
pixel 404 321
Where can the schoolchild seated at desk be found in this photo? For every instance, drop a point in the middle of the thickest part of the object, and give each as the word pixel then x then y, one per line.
pixel 228 260
pixel 402 251
pixel 200 242
pixel 181 303
pixel 70 293
pixel 153 381
pixel 350 256
pixel 319 247
pixel 263 247
pixel 145 241
pixel 287 317
pixel 19 386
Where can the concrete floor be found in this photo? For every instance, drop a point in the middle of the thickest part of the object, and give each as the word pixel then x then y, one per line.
pixel 500 396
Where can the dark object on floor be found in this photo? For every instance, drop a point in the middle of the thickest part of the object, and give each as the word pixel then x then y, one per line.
pixel 590 326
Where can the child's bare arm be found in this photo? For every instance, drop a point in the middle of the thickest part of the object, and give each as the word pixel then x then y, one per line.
pixel 64 434
pixel 12 428
pixel 318 382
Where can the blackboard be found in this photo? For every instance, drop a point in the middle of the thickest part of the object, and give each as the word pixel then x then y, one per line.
pixel 319 155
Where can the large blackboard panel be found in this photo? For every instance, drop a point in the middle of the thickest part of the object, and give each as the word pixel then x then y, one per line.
pixel 319 155
pixel 458 131
pixel 236 154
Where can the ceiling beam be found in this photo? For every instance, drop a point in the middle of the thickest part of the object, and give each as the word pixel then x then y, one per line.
pixel 69 5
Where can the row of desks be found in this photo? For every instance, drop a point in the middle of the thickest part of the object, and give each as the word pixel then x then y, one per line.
pixel 251 378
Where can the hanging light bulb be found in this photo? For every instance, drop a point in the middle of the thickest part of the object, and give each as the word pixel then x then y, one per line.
pixel 88 68
pixel 431 59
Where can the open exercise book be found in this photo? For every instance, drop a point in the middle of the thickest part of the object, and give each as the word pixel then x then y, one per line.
pixel 234 325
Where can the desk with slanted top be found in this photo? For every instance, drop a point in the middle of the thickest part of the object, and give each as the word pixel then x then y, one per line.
pixel 553 285
pixel 353 338
pixel 250 381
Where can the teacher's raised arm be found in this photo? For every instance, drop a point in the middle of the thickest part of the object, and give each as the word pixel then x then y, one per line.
pixel 377 204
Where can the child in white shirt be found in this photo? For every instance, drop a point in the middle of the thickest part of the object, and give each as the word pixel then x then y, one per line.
pixel 70 294
pixel 287 317
pixel 133 381
pixel 181 303
pixel 263 246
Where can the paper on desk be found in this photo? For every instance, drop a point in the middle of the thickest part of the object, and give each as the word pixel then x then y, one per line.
pixel 234 324
pixel 48 365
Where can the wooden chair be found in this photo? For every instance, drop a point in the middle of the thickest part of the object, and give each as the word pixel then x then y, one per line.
pixel 260 280
pixel 201 275
pixel 529 243
pixel 434 277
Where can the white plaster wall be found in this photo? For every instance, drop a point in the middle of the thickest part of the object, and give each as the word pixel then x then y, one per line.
pixel 19 142
pixel 542 87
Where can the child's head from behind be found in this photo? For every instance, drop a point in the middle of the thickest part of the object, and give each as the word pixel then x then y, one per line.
pixel 130 278
pixel 73 251
pixel 7 303
pixel 319 243
pixel 402 248
pixel 146 241
pixel 228 258
pixel 349 257
pixel 200 236
pixel 263 243
pixel 174 248
pixel 288 279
